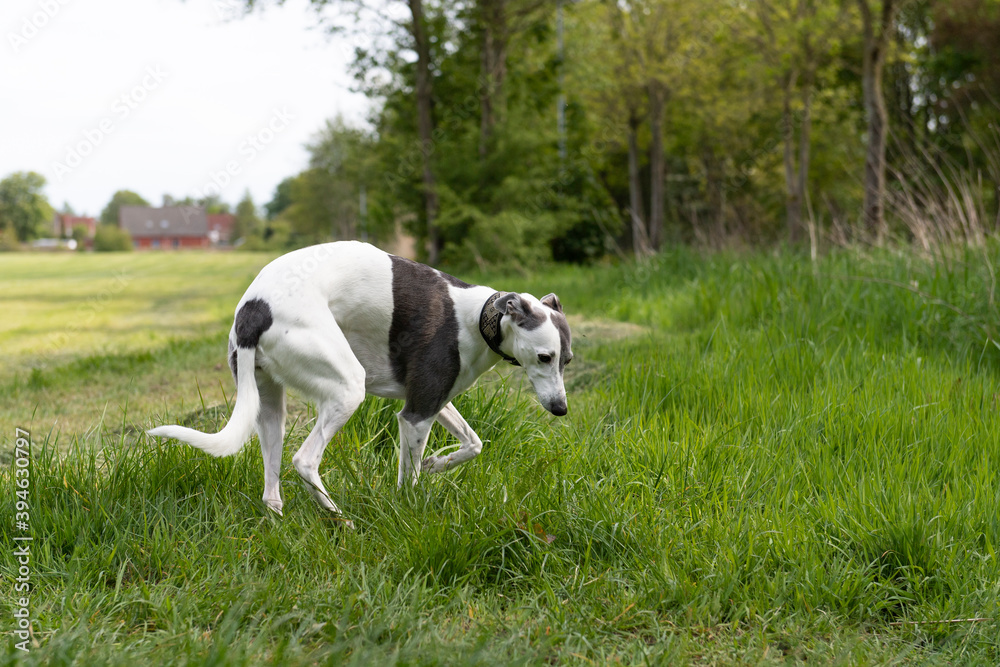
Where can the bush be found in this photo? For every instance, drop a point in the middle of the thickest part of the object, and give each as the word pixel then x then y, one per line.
pixel 507 239
pixel 276 236
pixel 110 239
pixel 80 236
pixel 8 241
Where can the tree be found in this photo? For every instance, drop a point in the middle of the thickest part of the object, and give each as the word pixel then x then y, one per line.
pixel 657 36
pixel 247 220
pixel 281 199
pixel 499 22
pixel 796 37
pixel 23 207
pixel 109 216
pixel 79 234
pixel 420 43
pixel 212 203
pixel 607 73
pixel 425 124
pixel 324 201
pixel 878 25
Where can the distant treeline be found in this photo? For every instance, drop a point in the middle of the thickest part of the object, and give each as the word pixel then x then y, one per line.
pixel 522 130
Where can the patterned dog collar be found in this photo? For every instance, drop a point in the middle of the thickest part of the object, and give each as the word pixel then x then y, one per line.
pixel 489 327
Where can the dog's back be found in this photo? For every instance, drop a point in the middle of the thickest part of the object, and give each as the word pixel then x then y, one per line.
pixel 350 280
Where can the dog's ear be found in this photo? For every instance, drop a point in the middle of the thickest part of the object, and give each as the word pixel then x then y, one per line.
pixel 511 305
pixel 552 301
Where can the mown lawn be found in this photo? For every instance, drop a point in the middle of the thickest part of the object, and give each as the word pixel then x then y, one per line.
pixel 75 326
pixel 773 461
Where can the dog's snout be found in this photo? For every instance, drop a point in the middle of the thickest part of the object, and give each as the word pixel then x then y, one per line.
pixel 559 409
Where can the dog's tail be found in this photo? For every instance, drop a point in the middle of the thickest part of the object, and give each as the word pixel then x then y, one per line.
pixel 241 425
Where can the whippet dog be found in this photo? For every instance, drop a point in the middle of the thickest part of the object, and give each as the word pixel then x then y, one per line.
pixel 341 320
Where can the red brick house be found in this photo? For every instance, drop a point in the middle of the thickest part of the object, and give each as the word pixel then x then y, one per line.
pixel 166 227
pixel 62 225
pixel 220 227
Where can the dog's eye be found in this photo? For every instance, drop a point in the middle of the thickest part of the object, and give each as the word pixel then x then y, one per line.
pixel 545 358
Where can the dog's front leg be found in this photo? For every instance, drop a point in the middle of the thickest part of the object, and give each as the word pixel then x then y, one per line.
pixel 412 440
pixel 469 443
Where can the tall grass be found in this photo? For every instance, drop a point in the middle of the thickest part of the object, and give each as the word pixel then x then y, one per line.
pixel 790 462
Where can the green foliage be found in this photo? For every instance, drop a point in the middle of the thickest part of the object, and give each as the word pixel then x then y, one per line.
pixel 212 203
pixel 275 236
pixel 760 105
pixel 109 216
pixel 281 200
pixel 325 201
pixel 79 234
pixel 23 208
pixel 8 240
pixel 247 223
pixel 110 238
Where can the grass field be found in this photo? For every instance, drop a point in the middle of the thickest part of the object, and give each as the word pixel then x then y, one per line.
pixel 766 460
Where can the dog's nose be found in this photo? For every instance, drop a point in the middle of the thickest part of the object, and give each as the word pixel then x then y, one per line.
pixel 559 409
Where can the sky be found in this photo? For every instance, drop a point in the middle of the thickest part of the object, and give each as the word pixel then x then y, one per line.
pixel 166 96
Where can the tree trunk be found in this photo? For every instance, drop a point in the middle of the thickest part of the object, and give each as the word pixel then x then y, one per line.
pixel 876 39
pixel 657 103
pixel 715 230
pixel 793 197
pixel 493 65
pixel 805 131
pixel 640 238
pixel 425 125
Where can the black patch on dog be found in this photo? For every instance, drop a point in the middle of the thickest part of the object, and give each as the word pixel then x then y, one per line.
pixel 530 320
pixel 455 282
pixel 232 359
pixel 423 338
pixel 565 339
pixel 519 311
pixel 252 320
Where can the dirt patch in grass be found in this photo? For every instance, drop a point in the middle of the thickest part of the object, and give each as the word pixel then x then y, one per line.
pixel 601 330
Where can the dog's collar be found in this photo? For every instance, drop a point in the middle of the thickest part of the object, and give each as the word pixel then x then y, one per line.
pixel 489 327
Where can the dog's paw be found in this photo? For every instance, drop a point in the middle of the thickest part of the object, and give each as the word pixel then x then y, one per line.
pixel 434 464
pixel 347 524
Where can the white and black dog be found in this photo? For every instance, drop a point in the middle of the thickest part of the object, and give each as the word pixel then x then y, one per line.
pixel 339 320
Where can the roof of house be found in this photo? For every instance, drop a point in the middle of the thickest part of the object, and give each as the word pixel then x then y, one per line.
pixel 143 221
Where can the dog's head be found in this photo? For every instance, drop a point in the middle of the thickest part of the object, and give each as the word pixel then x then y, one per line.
pixel 536 332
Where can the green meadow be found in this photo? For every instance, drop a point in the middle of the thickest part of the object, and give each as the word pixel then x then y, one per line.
pixel 767 460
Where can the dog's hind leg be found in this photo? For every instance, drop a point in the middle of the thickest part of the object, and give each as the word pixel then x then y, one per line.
pixel 318 361
pixel 271 431
pixel 331 417
pixel 469 443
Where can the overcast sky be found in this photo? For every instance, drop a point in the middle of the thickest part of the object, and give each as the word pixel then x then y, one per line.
pixel 165 96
